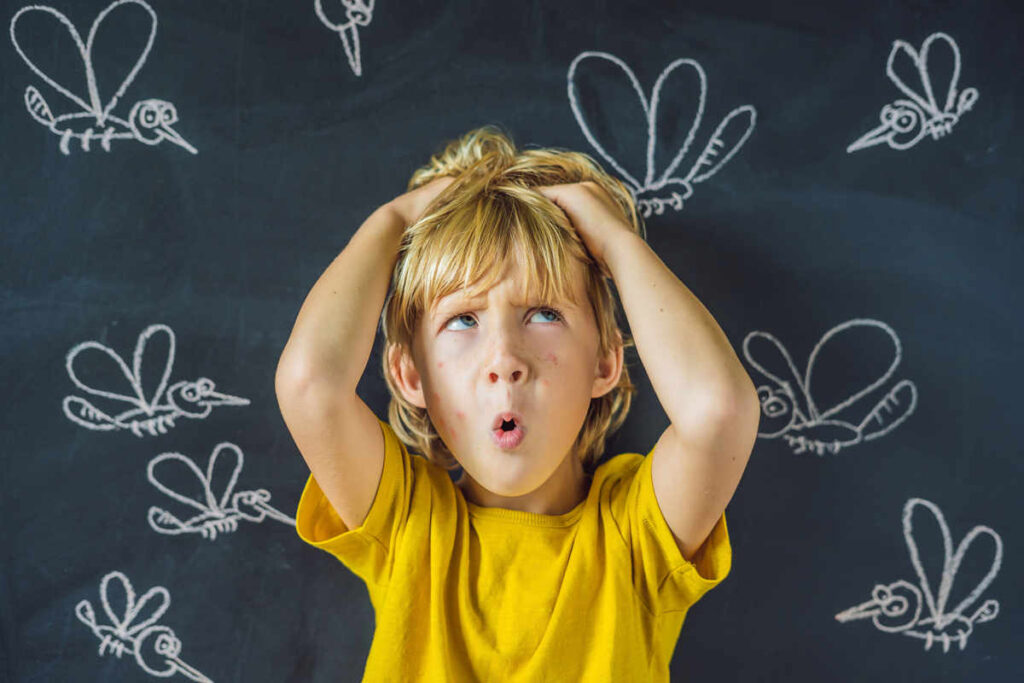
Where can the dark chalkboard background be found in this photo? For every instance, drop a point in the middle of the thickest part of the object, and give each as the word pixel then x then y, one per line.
pixel 792 237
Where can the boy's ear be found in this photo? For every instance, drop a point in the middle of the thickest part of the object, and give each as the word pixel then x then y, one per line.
pixel 609 369
pixel 406 376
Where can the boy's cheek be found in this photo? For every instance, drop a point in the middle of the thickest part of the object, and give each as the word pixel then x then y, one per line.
pixel 449 348
pixel 447 428
pixel 459 421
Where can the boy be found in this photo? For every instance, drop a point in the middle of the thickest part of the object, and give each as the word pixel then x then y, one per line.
pixel 502 356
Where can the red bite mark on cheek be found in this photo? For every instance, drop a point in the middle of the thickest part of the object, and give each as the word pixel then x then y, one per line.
pixel 445 427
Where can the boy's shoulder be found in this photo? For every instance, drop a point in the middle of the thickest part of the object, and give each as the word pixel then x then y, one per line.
pixel 618 466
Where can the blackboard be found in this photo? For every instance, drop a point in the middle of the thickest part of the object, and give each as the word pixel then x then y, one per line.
pixel 262 139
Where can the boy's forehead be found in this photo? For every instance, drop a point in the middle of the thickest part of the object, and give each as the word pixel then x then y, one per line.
pixel 523 296
pixel 463 296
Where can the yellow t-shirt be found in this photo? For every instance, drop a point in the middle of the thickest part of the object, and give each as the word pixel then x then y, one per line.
pixel 469 593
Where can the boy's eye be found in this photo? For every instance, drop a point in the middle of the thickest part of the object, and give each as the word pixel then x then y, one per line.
pixel 555 314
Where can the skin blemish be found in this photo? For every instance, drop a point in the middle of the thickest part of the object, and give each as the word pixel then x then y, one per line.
pixel 440 363
pixel 446 428
pixel 461 415
pixel 551 358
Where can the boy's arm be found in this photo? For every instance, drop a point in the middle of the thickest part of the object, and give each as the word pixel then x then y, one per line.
pixel 710 400
pixel 323 360
pixel 338 435
pixel 334 331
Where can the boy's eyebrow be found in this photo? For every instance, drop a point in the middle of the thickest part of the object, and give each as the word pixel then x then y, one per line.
pixel 459 302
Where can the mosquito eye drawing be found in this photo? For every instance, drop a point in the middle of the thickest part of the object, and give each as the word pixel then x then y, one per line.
pixel 775 402
pixel 816 418
pixel 149 115
pixel 928 111
pixel 134 630
pixel 220 507
pixel 682 85
pixel 901 118
pixel 357 13
pixel 898 606
pixel 155 406
pixel 94 120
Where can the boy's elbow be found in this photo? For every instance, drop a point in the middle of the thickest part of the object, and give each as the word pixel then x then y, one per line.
pixel 301 380
pixel 740 413
pixel 293 375
pixel 752 408
pixel 747 410
pixel 738 406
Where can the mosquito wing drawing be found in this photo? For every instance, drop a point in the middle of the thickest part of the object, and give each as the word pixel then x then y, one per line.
pixel 906 121
pixel 791 406
pixel 154 408
pixel 150 121
pixel 217 514
pixel 898 606
pixel 653 190
pixel 134 630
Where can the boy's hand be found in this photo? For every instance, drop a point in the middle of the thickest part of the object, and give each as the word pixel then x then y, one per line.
pixel 596 218
pixel 411 205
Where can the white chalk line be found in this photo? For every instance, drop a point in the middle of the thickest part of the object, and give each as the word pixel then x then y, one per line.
pixel 154 409
pixel 668 190
pixel 217 513
pixel 905 122
pixel 897 606
pixel 149 121
pixel 135 631
pixel 816 429
pixel 357 13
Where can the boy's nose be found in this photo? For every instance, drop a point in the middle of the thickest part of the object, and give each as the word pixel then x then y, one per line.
pixel 512 377
pixel 508 366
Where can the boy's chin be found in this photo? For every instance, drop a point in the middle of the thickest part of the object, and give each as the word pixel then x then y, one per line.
pixel 508 481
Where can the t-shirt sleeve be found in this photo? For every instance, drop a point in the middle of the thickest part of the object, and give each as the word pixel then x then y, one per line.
pixel 664 579
pixel 367 550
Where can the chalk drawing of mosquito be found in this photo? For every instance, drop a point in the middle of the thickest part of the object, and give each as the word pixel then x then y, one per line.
pixel 215 514
pixel 134 630
pixel 896 607
pixel 149 120
pixel 357 13
pixel 790 404
pixel 905 122
pixel 152 412
pixel 655 193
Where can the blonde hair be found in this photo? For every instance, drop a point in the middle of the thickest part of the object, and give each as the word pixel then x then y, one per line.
pixel 488 214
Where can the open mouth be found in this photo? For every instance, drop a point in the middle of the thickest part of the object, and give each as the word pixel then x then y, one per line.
pixel 507 421
pixel 507 429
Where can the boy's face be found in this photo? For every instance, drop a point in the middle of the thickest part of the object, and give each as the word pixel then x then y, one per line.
pixel 473 360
